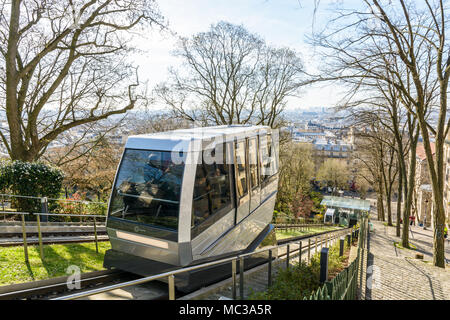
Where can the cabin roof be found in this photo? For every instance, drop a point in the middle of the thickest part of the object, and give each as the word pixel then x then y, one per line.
pixel 181 139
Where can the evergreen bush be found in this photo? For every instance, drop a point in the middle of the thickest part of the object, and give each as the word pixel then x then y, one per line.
pixel 35 179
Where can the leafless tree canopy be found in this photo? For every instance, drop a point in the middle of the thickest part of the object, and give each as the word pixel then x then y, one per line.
pixel 231 76
pixel 395 54
pixel 63 63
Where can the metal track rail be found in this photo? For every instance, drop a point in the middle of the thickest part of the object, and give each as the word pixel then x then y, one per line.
pixel 287 240
pixel 52 240
pixel 36 289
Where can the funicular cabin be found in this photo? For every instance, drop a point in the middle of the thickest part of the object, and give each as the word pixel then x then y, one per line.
pixel 189 196
pixel 345 211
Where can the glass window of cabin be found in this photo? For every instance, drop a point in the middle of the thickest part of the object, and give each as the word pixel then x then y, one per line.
pixel 267 158
pixel 253 162
pixel 212 191
pixel 241 172
pixel 148 188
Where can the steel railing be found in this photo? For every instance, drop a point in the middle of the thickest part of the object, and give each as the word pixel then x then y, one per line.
pixel 43 202
pixel 170 276
pixel 38 219
pixel 24 233
pixel 348 284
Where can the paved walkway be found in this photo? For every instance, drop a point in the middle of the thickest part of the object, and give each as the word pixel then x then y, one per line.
pixel 397 275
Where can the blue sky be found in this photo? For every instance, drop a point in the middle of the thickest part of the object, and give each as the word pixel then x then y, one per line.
pixel 279 22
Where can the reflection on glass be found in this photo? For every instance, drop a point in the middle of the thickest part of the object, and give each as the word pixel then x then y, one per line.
pixel 212 190
pixel 148 188
pixel 268 157
pixel 240 165
pixel 253 162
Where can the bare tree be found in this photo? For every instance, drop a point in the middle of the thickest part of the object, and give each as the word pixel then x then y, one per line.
pixel 402 44
pixel 65 64
pixel 231 76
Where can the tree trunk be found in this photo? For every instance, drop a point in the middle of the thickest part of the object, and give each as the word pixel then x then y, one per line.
pixel 410 189
pixel 436 170
pixel 399 201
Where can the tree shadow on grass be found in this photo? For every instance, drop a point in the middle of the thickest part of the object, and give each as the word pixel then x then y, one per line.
pixel 56 262
pixel 30 271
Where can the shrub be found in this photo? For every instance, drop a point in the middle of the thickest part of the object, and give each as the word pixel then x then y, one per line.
pixel 29 179
pixel 301 279
pixel 298 281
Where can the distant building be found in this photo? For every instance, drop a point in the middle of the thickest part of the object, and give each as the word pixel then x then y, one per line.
pixel 447 177
pixel 423 205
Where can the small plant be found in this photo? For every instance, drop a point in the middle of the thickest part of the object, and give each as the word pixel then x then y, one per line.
pixel 292 284
pixel 301 279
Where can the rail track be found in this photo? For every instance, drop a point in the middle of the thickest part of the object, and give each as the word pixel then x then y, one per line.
pixel 154 290
pixel 11 235
pixel 306 236
pixel 43 289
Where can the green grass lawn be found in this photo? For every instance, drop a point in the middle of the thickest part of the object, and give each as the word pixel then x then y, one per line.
pixel 58 257
pixel 281 234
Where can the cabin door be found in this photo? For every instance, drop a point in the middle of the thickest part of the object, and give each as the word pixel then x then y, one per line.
pixel 242 181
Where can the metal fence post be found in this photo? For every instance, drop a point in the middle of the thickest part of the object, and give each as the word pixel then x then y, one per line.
pixel 341 246
pixel 287 256
pixel 241 277
pixel 40 236
pixel 233 276
pixel 309 250
pixel 24 234
pixel 44 208
pixel 269 269
pixel 95 235
pixel 300 252
pixel 3 206
pixel 323 265
pixel 171 281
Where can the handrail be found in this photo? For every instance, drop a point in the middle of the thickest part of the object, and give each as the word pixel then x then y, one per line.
pixel 53 199
pixel 69 215
pixel 13 212
pixel 170 274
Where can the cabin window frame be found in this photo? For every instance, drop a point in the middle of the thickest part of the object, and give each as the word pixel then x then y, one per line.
pixel 149 229
pixel 257 164
pixel 213 217
pixel 241 198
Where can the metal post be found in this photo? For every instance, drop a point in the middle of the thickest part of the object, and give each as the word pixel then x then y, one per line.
pixel 287 256
pixel 241 277
pixel 3 202
pixel 269 269
pixel 309 250
pixel 349 240
pixel 95 235
pixel 233 276
pixel 341 246
pixel 24 233
pixel 300 252
pixel 40 236
pixel 171 280
pixel 44 208
pixel 323 265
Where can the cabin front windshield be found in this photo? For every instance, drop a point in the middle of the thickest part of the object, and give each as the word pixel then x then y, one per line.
pixel 148 188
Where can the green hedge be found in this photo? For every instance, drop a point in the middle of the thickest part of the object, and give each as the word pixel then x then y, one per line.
pixel 29 179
